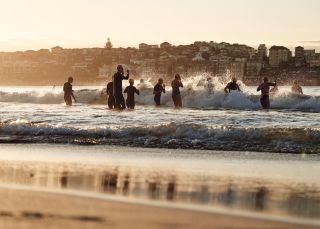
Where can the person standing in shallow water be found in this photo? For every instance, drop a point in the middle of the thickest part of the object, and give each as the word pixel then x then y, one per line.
pixel 265 89
pixel 232 86
pixel 117 87
pixel 176 96
pixel 131 90
pixel 158 90
pixel 68 92
pixel 296 88
pixel 111 100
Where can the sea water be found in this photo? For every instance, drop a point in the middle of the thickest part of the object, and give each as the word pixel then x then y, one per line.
pixel 207 121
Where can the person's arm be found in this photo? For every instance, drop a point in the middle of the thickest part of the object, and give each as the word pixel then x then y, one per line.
pixel 164 88
pixel 300 90
pixel 126 77
pixel 273 84
pixel 72 95
pixel 138 92
pixel 226 88
pixel 181 85
pixel 259 88
pixel 238 88
pixel 108 92
pixel 125 90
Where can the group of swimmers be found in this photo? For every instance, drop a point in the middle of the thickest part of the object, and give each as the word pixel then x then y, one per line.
pixel 116 99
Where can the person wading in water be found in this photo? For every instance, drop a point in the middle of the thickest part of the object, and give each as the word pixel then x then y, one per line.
pixel 117 87
pixel 265 89
pixel 176 96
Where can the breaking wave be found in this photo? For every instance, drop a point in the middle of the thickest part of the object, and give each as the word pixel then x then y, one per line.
pixel 193 97
pixel 295 140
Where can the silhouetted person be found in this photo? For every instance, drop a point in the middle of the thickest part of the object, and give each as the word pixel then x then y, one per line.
pixel 232 86
pixel 117 87
pixel 176 96
pixel 131 91
pixel 111 100
pixel 209 86
pixel 158 90
pixel 68 92
pixel 265 89
pixel 296 88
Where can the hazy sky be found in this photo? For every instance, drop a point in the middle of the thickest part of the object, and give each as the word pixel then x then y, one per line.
pixel 35 24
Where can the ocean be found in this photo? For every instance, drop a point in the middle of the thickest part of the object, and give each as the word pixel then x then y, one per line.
pixel 219 151
pixel 212 122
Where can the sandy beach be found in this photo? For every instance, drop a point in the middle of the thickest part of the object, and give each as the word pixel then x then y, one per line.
pixel 27 209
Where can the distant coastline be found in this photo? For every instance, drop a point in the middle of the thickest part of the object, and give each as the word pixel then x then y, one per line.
pixel 95 66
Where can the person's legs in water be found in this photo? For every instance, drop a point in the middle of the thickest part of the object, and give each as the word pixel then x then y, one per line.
pixel 122 102
pixel 179 100
pixel 265 102
pixel 174 101
pixel 130 103
pixel 117 99
pixel 111 102
pixel 68 100
pixel 157 99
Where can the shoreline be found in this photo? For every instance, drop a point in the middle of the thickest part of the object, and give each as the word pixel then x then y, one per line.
pixel 74 209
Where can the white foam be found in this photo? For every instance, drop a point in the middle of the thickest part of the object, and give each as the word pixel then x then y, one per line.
pixel 194 95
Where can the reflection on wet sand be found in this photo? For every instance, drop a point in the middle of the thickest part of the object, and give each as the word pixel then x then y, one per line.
pixel 183 187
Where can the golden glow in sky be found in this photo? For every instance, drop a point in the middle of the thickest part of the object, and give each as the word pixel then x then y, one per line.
pixel 35 24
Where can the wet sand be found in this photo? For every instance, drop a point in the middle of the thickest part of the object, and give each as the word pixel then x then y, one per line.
pixel 47 186
pixel 28 209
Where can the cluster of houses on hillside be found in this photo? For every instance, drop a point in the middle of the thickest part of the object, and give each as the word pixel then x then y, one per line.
pixel 92 65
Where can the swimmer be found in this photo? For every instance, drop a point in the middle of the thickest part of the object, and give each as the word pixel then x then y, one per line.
pixel 117 87
pixel 158 90
pixel 68 92
pixel 131 91
pixel 265 89
pixel 232 86
pixel 176 96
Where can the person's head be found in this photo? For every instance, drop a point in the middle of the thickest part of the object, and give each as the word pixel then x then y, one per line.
pixel 70 79
pixel 120 69
pixel 234 79
pixel 141 80
pixel 177 77
pixel 265 79
pixel 209 79
pixel 131 82
pixel 160 81
pixel 295 82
